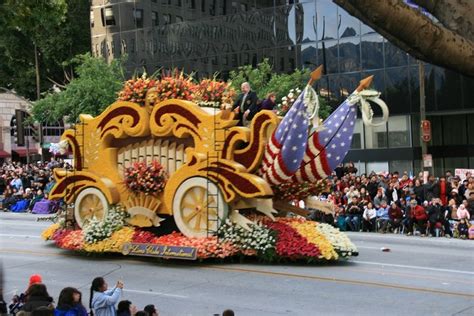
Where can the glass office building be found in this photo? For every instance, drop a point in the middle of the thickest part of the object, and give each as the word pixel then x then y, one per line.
pixel 209 36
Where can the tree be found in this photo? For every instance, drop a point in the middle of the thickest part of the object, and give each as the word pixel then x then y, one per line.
pixel 95 87
pixel 446 38
pixel 37 38
pixel 263 80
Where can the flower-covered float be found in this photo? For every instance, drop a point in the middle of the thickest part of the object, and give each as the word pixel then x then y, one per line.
pixel 157 175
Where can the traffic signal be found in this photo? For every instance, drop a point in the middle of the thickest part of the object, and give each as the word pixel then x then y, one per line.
pixel 17 129
pixel 35 132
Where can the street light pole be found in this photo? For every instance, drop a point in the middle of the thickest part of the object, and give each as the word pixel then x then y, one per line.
pixel 424 144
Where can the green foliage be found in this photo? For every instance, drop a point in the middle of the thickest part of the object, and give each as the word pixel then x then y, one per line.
pixel 58 28
pixel 95 87
pixel 263 81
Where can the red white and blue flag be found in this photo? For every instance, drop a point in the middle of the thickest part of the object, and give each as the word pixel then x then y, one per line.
pixel 328 146
pixel 286 148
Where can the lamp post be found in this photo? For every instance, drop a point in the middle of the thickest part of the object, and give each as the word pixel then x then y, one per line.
pixel 425 126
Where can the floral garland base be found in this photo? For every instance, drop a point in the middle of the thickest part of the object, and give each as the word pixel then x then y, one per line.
pixel 285 239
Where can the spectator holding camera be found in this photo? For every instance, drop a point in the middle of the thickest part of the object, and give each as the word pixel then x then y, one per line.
pixel 102 300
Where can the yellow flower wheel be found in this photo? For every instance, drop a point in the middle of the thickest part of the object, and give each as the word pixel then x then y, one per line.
pixel 198 207
pixel 90 203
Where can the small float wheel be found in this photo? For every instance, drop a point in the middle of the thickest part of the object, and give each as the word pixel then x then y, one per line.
pixel 90 203
pixel 199 207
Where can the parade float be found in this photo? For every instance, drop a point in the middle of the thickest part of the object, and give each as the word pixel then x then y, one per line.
pixel 160 173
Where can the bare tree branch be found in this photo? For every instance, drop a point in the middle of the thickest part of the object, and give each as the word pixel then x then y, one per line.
pixel 414 33
pixel 455 15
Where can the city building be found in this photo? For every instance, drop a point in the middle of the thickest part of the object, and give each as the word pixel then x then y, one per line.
pixel 32 141
pixel 209 36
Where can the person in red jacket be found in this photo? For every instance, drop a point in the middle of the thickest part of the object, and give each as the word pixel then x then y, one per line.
pixel 395 216
pixel 420 218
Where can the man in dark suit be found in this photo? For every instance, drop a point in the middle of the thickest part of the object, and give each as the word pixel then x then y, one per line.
pixel 246 104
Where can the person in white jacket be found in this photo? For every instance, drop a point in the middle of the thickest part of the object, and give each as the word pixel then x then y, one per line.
pixel 102 301
pixel 369 218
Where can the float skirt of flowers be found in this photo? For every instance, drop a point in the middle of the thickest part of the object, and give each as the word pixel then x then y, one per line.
pixel 282 239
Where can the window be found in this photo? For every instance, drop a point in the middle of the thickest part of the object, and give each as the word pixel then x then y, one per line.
pixel 398 131
pixel 203 5
pixel 92 18
pixel 358 135
pixel 401 166
pixel 377 167
pixel 108 18
pixel 154 18
pixel 376 136
pixel 192 4
pixel 454 130
pixel 179 3
pixel 166 19
pixel 138 16
pixel 124 47
pixel 132 45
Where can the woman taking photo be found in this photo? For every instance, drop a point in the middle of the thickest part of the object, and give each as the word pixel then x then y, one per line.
pixel 102 301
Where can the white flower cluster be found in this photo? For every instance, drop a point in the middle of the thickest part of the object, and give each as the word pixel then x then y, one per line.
pixel 96 230
pixel 341 243
pixel 259 238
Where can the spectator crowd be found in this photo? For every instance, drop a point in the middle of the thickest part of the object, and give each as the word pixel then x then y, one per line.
pixel 103 301
pixel 25 187
pixel 394 202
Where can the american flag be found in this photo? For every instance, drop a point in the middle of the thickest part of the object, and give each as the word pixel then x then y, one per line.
pixel 286 148
pixel 328 147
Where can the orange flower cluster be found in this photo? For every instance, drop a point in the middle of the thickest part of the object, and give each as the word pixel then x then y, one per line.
pixel 212 90
pixel 135 89
pixel 208 247
pixel 175 86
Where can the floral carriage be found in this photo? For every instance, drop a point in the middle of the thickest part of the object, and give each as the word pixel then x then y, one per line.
pixel 214 169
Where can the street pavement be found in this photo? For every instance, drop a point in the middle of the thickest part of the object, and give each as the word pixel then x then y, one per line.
pixel 418 276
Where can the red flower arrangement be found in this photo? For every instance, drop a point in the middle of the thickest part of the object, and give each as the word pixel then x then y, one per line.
pixel 290 244
pixel 135 89
pixel 149 179
pixel 175 86
pixel 214 92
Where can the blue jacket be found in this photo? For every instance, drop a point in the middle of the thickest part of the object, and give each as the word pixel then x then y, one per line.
pixel 77 310
pixel 383 213
pixel 103 303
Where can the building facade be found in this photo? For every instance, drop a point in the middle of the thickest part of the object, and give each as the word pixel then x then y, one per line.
pixel 209 36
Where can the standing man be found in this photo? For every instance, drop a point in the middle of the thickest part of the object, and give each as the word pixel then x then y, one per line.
pixel 246 104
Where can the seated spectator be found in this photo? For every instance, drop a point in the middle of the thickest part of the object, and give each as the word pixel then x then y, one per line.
pixel 228 312
pixel 420 218
pixel 340 218
pixel 382 217
pixel 379 198
pixel 70 303
pixel 438 219
pixel 38 196
pixel 353 215
pixel 395 216
pixel 269 102
pixel 462 213
pixel 463 229
pixel 369 218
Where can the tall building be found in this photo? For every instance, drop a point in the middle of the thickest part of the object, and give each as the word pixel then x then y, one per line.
pixel 209 36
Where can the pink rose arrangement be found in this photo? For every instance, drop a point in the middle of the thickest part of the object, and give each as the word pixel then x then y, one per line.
pixel 149 179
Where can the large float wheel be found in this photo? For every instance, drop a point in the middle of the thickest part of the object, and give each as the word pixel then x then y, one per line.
pixel 198 207
pixel 90 203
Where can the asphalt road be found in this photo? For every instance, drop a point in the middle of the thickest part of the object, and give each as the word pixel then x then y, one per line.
pixel 419 276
